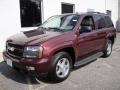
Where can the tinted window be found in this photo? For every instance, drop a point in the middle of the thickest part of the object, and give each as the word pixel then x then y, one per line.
pixel 100 21
pixel 108 21
pixel 87 24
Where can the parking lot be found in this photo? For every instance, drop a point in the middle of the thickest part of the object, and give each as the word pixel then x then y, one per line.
pixel 102 74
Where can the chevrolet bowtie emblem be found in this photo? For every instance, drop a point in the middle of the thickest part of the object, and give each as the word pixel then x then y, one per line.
pixel 11 48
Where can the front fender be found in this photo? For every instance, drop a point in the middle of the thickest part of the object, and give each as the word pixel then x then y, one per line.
pixel 49 51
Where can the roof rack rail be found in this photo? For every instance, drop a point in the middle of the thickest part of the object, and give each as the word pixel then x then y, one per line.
pixel 95 12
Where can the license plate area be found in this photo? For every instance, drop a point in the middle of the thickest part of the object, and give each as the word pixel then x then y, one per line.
pixel 9 62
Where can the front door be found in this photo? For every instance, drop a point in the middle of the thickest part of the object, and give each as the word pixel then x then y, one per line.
pixel 86 42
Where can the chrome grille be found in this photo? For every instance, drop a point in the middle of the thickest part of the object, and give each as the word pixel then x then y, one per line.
pixel 15 50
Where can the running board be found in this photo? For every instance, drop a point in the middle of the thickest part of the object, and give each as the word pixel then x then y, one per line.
pixel 88 59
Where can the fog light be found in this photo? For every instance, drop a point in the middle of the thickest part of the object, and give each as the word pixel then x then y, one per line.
pixel 30 68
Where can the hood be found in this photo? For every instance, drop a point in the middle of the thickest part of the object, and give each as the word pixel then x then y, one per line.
pixel 32 37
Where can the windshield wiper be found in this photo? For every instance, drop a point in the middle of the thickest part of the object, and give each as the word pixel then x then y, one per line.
pixel 42 27
pixel 55 28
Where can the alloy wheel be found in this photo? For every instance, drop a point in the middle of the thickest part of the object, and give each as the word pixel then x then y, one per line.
pixel 62 68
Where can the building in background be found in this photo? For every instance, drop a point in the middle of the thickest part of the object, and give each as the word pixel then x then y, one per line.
pixel 22 15
pixel 118 21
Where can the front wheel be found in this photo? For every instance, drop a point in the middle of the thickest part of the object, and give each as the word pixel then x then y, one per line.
pixel 61 67
pixel 108 49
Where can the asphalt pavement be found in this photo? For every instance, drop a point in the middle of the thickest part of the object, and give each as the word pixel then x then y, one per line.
pixel 102 74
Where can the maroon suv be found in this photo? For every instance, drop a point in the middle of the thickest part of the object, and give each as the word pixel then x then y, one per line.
pixel 61 43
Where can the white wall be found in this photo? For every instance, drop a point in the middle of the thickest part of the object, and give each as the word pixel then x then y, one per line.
pixel 51 7
pixel 84 5
pixel 113 6
pixel 9 20
pixel 54 7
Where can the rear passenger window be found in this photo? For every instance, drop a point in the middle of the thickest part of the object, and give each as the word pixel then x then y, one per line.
pixel 100 22
pixel 109 22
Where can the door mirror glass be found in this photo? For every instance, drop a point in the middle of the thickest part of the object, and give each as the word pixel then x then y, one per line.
pixel 85 29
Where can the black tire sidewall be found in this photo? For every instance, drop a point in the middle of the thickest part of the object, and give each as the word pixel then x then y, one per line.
pixel 52 73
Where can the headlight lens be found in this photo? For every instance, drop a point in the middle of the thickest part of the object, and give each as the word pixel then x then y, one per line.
pixel 33 52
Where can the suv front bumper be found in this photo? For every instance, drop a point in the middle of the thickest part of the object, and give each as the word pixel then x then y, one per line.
pixel 38 67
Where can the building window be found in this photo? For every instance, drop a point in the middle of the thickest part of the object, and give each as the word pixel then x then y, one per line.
pixel 30 11
pixel 67 8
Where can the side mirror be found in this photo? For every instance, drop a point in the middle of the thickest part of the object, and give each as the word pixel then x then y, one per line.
pixel 86 29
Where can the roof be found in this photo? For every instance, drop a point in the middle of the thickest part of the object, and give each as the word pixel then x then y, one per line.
pixel 84 13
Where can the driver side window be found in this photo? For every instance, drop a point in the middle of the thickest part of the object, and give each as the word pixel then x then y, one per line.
pixel 87 24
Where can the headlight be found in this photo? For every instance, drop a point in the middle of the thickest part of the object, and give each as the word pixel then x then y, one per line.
pixel 33 52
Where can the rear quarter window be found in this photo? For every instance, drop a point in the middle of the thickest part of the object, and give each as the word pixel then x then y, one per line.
pixel 108 22
pixel 100 21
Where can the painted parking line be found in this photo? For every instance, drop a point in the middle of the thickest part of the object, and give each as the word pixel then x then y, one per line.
pixel 41 87
pixel 30 87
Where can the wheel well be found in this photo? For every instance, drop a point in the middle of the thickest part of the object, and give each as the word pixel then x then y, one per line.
pixel 112 39
pixel 70 51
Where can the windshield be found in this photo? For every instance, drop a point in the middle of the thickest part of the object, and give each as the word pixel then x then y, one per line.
pixel 66 22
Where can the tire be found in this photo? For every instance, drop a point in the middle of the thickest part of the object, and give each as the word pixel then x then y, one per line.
pixel 108 50
pixel 61 66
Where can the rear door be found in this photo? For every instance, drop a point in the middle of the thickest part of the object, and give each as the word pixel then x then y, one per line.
pixel 101 32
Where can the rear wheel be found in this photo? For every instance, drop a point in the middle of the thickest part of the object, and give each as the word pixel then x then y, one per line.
pixel 61 67
pixel 108 49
